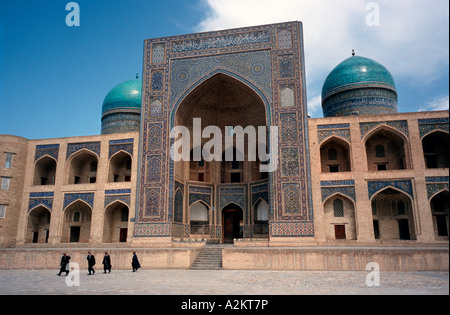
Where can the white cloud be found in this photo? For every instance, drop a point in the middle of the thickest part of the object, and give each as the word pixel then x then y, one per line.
pixel 411 40
pixel 441 103
pixel 315 106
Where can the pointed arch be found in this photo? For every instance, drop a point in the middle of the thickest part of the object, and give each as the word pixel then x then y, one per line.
pixel 115 222
pixel 439 205
pixel 38 225
pixel 435 149
pixel 393 214
pixel 45 170
pixel 342 160
pixel 225 73
pixel 337 195
pixel 82 167
pixel 119 167
pixel 77 231
pixel 396 145
pixel 199 217
pixel 340 217
pixel 261 210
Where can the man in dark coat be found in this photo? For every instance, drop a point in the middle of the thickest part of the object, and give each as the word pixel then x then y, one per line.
pixel 106 263
pixel 135 262
pixel 91 263
pixel 63 264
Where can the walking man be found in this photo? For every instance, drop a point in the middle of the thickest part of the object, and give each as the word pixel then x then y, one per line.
pixel 63 264
pixel 106 263
pixel 91 263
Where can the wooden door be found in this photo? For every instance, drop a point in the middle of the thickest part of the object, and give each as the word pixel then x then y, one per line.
pixel 339 231
pixel 123 235
pixel 231 224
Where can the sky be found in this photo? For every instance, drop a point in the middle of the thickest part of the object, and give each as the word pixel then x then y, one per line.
pixel 53 78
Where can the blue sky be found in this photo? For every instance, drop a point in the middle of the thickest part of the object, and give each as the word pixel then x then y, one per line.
pixel 53 78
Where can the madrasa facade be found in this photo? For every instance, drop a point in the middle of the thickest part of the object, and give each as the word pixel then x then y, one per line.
pixel 365 173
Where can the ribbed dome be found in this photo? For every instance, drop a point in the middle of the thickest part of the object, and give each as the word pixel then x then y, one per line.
pixel 124 96
pixel 359 85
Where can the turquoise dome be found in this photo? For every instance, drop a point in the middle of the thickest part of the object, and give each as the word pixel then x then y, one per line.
pixel 359 85
pixel 124 96
pixel 121 110
pixel 357 70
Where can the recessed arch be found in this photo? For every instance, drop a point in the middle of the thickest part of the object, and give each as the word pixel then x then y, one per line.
pixel 115 222
pixel 393 215
pixel 77 231
pixel 394 143
pixel 439 205
pixel 38 225
pixel 232 220
pixel 199 218
pixel 119 167
pixel 434 131
pixel 261 213
pixel 45 170
pixel 82 167
pixel 435 147
pixel 339 194
pixel 340 224
pixel 224 73
pixel 342 160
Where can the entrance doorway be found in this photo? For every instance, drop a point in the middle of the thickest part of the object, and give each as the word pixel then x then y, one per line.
pixel 232 216
pixel 403 227
pixel 123 235
pixel 75 234
pixel 339 231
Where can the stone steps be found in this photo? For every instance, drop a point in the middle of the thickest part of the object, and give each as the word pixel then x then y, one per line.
pixel 209 258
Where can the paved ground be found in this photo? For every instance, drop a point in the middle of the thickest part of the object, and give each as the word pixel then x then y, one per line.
pixel 223 282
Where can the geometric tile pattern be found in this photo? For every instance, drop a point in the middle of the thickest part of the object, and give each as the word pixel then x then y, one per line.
pixel 403 185
pixel 47 149
pixel 86 197
pixel 265 58
pixel 152 229
pixel 433 189
pixel 75 147
pixel 428 125
pixel 113 198
pixel 121 145
pixel 436 184
pixel 41 199
pixel 348 191
pixel 341 133
pixel 254 66
pixel 400 125
pixel 292 228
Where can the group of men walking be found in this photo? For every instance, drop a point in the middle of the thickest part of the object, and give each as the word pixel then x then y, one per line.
pixel 65 260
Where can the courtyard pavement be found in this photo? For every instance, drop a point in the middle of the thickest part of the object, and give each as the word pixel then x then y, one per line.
pixel 222 282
